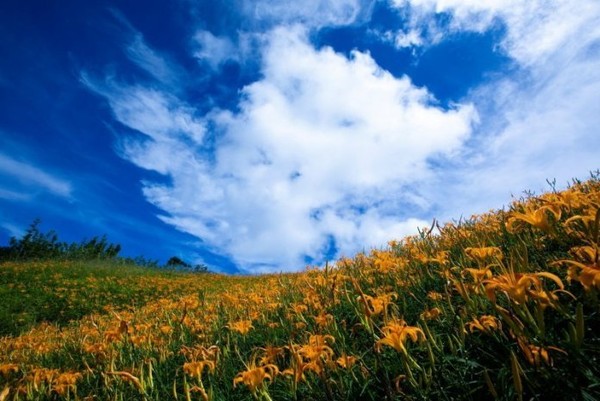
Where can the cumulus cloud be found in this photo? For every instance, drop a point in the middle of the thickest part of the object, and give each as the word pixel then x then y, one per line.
pixel 330 152
pixel 25 177
pixel 319 154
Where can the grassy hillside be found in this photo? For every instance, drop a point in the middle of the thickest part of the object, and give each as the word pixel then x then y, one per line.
pixel 500 306
pixel 61 291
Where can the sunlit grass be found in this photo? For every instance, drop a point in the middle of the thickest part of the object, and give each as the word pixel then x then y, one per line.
pixel 501 306
pixel 61 291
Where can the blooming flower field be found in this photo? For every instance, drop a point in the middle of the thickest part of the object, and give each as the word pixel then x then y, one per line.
pixel 500 306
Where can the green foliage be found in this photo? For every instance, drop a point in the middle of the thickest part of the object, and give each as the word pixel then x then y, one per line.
pixel 178 264
pixel 140 261
pixel 175 262
pixel 37 245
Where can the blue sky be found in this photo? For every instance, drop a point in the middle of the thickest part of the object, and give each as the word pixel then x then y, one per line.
pixel 261 135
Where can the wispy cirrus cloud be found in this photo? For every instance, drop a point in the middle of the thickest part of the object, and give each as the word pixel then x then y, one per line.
pixel 12 229
pixel 13 195
pixel 155 64
pixel 310 13
pixel 22 178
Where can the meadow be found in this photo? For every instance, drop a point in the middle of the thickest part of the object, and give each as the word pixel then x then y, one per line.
pixel 502 305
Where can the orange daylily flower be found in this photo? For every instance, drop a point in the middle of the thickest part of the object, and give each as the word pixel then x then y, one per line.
pixel 299 308
pixel 397 333
pixel 299 365
pixel 66 382
pixel 40 376
pixel 387 261
pixel 255 376
pixel 299 325
pixel 270 354
pixel 346 361
pixel 242 326
pixel 315 352
pixel 436 296
pixel 321 339
pixel 482 254
pixel 485 323
pixel 315 356
pixel 377 305
pixel 196 368
pixel 584 226
pixel 479 274
pixel 323 319
pixel 202 353
pixel 537 218
pixel 7 369
pixel 117 333
pixel 535 354
pixel 442 257
pixel 519 286
pixel 587 271
pixel 570 199
pixel 431 314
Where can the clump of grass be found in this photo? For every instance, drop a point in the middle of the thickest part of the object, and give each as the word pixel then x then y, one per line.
pixel 501 306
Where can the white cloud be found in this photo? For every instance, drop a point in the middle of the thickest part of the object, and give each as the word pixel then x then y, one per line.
pixel 159 65
pixel 323 147
pixel 157 114
pixel 13 195
pixel 13 230
pixel 310 13
pixel 408 38
pixel 214 50
pixel 538 123
pixel 30 177
pixel 165 121
pixel 327 147
pixel 148 59
pixel 535 29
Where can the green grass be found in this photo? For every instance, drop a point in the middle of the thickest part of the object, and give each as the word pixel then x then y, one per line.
pixel 59 292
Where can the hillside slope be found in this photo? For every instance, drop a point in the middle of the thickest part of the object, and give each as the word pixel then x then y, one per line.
pixel 500 306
